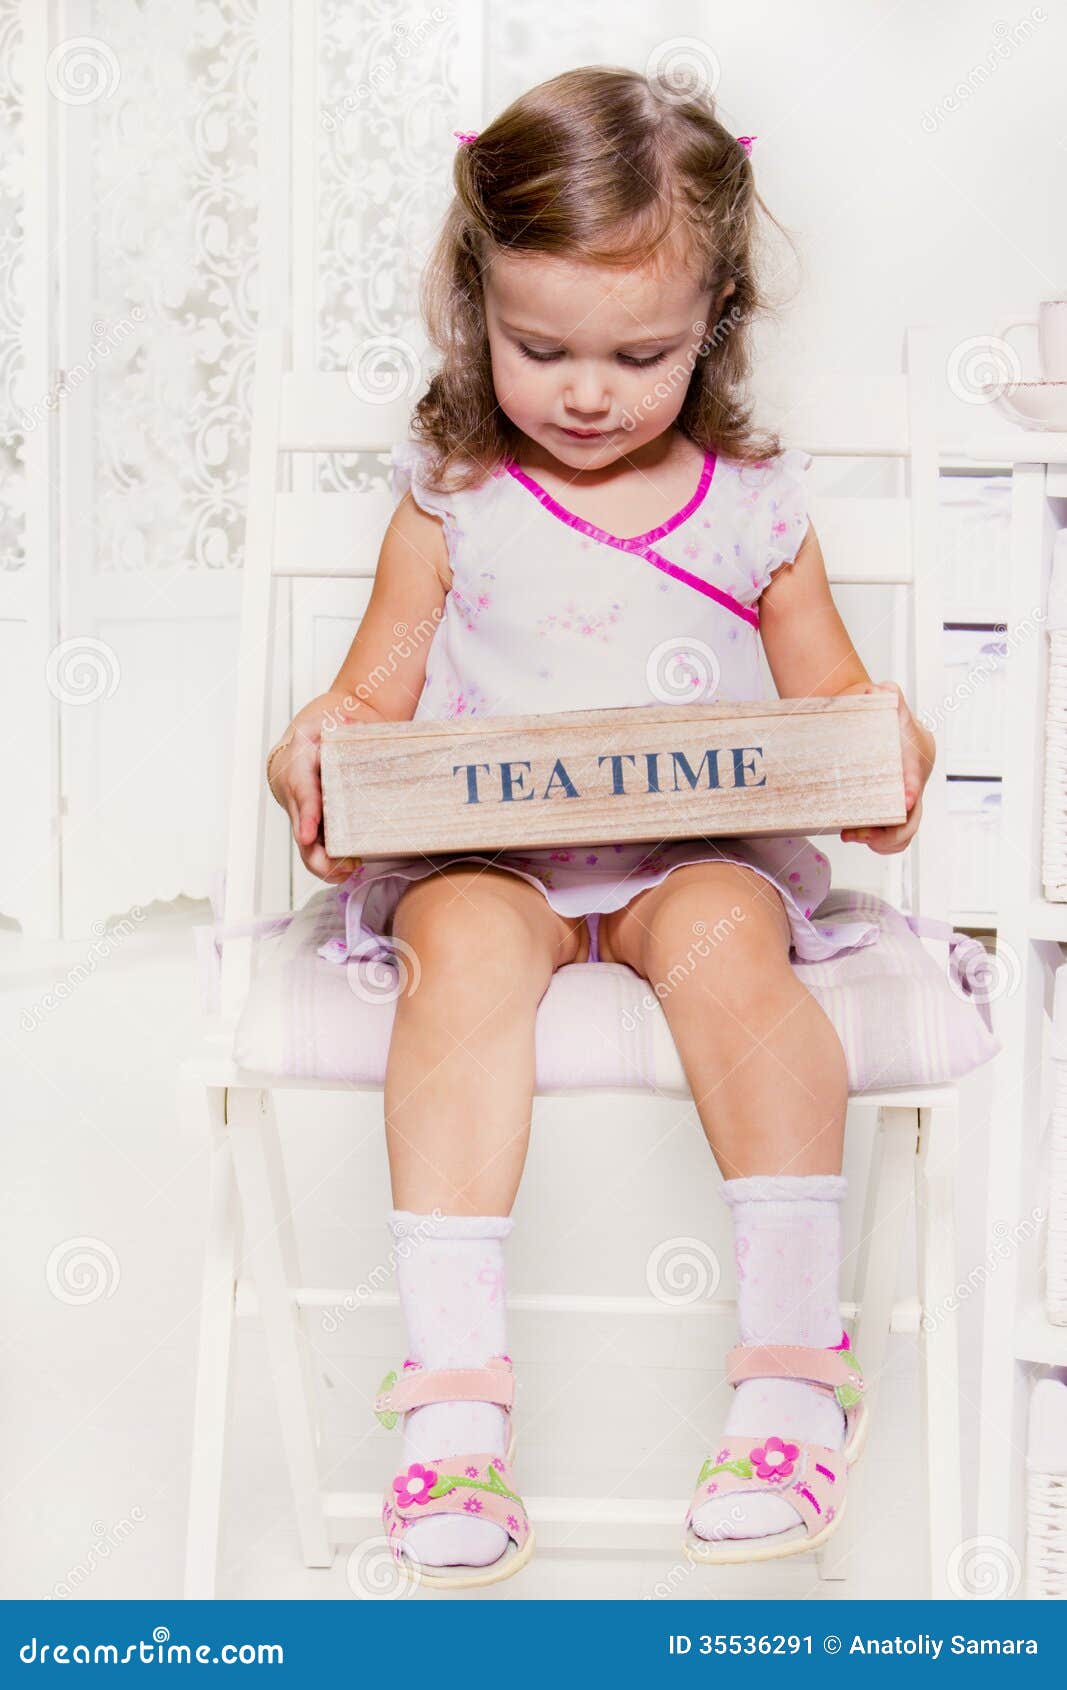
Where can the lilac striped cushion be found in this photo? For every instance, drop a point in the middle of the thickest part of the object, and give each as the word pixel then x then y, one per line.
pixel 901 1018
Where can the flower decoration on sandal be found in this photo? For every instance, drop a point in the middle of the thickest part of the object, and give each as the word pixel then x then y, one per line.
pixel 774 1459
pixel 414 1486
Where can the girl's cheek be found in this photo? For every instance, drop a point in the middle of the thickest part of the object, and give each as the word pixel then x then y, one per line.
pixel 657 406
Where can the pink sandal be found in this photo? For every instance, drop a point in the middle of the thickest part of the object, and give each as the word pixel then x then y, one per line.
pixel 478 1484
pixel 814 1479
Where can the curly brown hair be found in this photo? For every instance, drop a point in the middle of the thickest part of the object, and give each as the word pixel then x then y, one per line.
pixel 606 165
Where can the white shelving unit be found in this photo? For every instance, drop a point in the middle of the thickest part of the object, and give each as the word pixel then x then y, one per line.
pixel 1030 934
pixel 974 512
pixel 1019 1343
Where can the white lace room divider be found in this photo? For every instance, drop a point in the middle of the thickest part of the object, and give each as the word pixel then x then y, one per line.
pixel 252 1266
pixel 133 279
pixel 36 672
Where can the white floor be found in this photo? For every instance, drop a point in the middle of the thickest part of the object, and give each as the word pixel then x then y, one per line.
pixel 101 1239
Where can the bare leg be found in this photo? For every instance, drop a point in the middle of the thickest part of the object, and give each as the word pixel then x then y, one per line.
pixel 762 1058
pixel 767 1073
pixel 460 1077
pixel 480 947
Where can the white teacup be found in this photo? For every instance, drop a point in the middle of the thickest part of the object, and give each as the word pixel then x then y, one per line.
pixel 1051 326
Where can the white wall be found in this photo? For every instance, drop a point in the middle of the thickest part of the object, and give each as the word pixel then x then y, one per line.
pixel 913 150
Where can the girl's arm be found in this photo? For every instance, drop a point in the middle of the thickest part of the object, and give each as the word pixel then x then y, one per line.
pixel 380 679
pixel 810 654
pixel 384 671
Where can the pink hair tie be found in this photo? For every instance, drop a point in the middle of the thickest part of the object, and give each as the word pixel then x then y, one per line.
pixel 466 135
pixel 746 142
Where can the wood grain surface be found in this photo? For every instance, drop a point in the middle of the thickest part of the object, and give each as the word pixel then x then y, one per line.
pixel 584 777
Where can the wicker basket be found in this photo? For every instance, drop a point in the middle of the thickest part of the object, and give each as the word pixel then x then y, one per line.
pixel 1046 1492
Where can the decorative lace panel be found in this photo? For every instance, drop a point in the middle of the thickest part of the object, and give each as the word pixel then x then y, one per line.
pixel 387 108
pixel 12 188
pixel 176 193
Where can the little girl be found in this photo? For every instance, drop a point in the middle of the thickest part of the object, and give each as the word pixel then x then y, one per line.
pixel 588 520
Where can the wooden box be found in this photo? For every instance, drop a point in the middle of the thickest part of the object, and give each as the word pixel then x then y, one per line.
pixel 586 777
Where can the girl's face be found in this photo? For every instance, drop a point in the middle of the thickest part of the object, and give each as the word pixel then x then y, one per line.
pixel 590 362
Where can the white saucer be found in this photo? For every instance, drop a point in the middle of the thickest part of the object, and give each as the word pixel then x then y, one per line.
pixel 1033 404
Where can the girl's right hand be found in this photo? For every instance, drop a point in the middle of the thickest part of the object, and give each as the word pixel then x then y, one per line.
pixel 294 781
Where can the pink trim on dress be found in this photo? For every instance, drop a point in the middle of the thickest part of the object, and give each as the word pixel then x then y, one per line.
pixel 743 610
pixel 641 543
pixel 637 542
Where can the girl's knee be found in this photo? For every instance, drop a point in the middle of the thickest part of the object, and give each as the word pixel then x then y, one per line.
pixel 735 917
pixel 729 894
pixel 465 924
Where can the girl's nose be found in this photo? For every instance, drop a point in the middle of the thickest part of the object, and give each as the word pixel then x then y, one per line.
pixel 586 396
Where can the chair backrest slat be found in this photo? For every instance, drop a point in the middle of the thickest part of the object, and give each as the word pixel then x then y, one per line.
pixel 322 411
pixel 329 534
pixel 864 541
pixel 325 533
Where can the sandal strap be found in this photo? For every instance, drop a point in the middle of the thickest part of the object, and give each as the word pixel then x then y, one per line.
pixel 495 1383
pixel 480 1486
pixel 830 1370
pixel 811 1477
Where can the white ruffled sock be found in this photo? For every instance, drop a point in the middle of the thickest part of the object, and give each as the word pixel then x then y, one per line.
pixel 451 1284
pixel 787 1248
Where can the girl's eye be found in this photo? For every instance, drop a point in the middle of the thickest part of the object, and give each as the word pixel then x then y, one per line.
pixel 550 358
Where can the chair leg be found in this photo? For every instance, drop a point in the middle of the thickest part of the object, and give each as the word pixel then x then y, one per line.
pixel 935 1188
pixel 270 1250
pixel 213 1368
pixel 889 1188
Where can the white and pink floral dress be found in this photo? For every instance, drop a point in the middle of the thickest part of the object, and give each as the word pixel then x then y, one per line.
pixel 548 612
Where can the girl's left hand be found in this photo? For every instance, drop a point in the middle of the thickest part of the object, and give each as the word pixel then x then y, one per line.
pixel 917 748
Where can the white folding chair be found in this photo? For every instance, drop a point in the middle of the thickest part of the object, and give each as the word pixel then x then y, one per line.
pixel 251 1261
